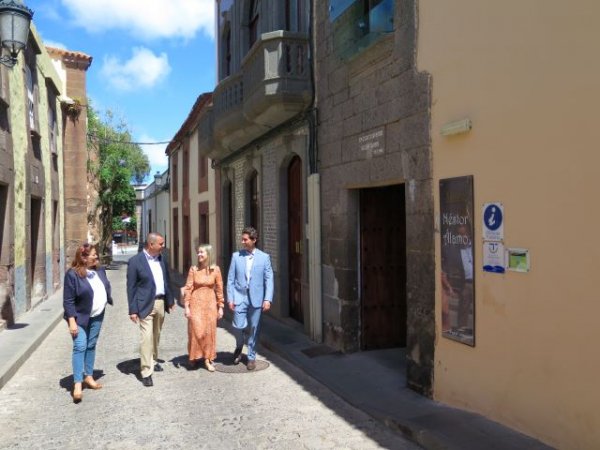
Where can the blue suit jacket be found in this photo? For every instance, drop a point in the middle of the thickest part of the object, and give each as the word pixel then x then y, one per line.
pixel 261 279
pixel 78 296
pixel 141 290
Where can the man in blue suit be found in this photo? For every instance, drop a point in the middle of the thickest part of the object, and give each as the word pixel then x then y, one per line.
pixel 249 293
pixel 149 296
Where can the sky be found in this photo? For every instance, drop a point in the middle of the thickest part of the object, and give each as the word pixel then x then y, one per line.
pixel 151 59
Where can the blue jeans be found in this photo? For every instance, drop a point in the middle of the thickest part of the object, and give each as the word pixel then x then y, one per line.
pixel 84 348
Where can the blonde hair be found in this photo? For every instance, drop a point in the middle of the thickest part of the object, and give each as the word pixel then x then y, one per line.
pixel 211 264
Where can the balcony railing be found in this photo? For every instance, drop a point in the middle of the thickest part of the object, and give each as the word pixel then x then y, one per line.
pixel 229 95
pixel 277 78
pixel 228 103
pixel 272 86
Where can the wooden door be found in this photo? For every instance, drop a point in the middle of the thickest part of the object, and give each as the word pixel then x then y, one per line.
pixel 187 243
pixel 383 267
pixel 227 226
pixel 175 232
pixel 295 221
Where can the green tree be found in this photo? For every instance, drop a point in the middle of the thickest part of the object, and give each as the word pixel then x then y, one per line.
pixel 118 164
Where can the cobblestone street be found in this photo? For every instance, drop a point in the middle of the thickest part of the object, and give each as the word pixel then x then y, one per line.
pixel 279 407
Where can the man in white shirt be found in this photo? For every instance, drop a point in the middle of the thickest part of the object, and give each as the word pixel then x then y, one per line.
pixel 149 296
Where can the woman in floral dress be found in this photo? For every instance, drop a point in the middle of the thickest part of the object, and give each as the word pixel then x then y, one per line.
pixel 203 300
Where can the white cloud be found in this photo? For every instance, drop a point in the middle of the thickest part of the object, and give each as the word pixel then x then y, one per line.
pixel 156 154
pixel 54 44
pixel 143 70
pixel 145 19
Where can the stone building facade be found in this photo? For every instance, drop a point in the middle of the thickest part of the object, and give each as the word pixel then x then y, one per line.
pixel 376 182
pixel 33 134
pixel 261 140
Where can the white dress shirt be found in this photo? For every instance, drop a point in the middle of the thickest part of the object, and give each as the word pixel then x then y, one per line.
pixel 157 273
pixel 249 263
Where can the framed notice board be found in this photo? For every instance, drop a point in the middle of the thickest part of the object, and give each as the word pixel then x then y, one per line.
pixel 458 268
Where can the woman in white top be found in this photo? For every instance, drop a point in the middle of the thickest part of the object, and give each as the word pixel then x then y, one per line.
pixel 85 295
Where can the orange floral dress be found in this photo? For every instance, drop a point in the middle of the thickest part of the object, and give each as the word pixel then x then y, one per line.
pixel 204 293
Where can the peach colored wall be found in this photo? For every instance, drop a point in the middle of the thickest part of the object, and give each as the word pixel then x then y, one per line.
pixel 198 197
pixel 528 75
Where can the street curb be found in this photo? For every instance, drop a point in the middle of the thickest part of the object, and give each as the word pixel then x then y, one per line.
pixel 17 344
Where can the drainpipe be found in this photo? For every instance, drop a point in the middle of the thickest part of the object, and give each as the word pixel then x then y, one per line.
pixel 313 228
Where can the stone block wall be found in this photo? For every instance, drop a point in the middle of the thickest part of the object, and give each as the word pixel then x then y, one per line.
pixel 379 90
pixel 270 158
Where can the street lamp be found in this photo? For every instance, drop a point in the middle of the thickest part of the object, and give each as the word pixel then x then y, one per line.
pixel 158 181
pixel 15 18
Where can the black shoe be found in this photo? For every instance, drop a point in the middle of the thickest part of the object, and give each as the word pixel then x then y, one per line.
pixel 158 367
pixel 237 355
pixel 147 381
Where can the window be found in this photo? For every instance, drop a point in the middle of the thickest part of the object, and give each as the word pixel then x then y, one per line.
pixel 52 124
pixel 4 128
pixel 293 15
pixel 36 146
pixel 379 16
pixel 203 234
pixel 253 204
pixel 186 168
pixel 226 48
pixel 3 220
pixel 357 24
pixel 175 185
pixel 202 173
pixel 337 7
pixel 225 53
pixel 253 22
pixel 30 98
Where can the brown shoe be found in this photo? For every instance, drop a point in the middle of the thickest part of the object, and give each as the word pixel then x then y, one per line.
pixel 91 383
pixel 77 393
pixel 251 365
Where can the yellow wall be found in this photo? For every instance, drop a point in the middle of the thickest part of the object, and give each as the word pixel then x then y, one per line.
pixel 527 74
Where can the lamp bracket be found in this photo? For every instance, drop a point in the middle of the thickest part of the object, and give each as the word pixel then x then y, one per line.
pixel 8 61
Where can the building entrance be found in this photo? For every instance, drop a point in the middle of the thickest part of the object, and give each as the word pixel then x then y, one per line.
pixel 295 222
pixel 383 267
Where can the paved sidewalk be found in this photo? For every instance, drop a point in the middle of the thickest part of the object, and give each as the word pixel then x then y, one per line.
pixel 18 342
pixel 373 381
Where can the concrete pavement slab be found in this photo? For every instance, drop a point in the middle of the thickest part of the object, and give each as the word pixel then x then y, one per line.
pixel 18 342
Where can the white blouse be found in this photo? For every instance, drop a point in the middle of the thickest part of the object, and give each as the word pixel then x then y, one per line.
pixel 100 296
